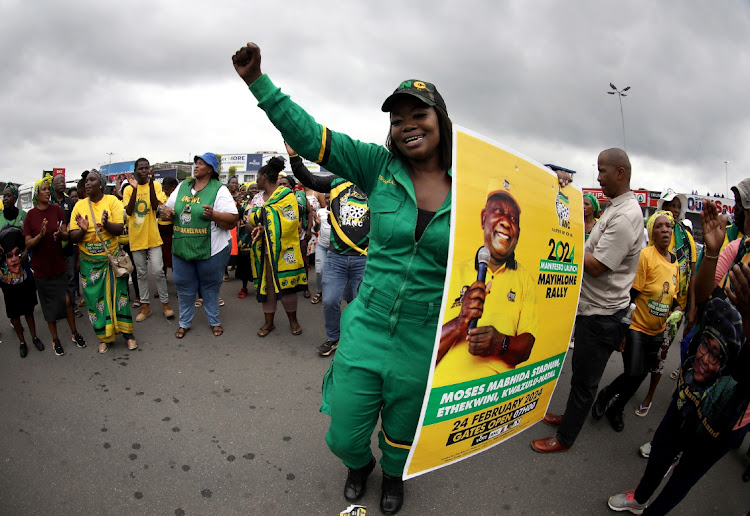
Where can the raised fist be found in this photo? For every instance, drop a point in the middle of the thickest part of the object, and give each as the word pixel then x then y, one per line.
pixel 246 62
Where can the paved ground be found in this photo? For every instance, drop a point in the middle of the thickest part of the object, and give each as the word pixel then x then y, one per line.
pixel 230 425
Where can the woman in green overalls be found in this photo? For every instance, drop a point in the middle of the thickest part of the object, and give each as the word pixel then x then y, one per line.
pixel 384 353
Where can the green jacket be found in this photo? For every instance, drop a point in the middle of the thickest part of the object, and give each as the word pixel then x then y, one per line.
pixel 397 265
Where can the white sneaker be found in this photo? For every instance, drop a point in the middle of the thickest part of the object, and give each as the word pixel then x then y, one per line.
pixel 645 450
pixel 626 502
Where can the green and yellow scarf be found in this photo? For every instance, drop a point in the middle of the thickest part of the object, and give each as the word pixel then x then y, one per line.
pixel 277 252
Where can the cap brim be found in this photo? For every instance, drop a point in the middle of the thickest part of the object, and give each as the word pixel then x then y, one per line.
pixel 388 104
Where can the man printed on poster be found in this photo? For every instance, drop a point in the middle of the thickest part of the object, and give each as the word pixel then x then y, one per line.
pixel 503 306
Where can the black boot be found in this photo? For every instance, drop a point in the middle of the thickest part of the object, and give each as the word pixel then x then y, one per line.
pixel 615 416
pixel 356 482
pixel 601 404
pixel 393 494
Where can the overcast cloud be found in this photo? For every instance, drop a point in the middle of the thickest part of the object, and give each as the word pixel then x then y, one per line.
pixel 84 78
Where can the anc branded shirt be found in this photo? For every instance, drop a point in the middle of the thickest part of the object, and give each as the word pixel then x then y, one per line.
pixel 656 280
pixel 510 307
pixel 90 244
pixel 350 219
pixel 143 229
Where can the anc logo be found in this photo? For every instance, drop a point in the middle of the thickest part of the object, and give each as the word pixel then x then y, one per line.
pixel 562 204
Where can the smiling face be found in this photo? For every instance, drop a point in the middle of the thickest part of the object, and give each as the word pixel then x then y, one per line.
pixel 662 233
pixel 415 129
pixel 142 171
pixel 13 260
pixel 500 220
pixel 707 362
pixel 252 190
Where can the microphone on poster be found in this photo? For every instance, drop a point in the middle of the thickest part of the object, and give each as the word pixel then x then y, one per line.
pixel 483 260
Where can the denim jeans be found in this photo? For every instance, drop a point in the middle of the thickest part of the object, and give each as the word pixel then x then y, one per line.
pixel 204 275
pixel 341 275
pixel 142 258
pixel 321 253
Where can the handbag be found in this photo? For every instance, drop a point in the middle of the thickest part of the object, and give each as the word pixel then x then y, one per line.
pixel 121 264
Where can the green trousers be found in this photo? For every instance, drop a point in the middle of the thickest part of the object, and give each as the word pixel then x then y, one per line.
pixel 380 369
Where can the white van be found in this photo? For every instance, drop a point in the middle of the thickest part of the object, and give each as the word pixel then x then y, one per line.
pixel 26 192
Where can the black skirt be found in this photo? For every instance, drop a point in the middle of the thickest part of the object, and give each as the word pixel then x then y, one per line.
pixel 51 292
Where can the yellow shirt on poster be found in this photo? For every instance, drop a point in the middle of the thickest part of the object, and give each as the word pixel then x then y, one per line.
pixel 510 307
pixel 90 244
pixel 143 229
pixel 656 280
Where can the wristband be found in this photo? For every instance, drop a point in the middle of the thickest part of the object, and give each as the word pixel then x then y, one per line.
pixel 504 347
pixel 710 257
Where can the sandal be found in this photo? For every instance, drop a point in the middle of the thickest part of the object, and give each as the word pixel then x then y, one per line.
pixel 218 331
pixel 199 302
pixel 82 302
pixel 298 331
pixel 77 312
pixel 103 347
pixel 262 332
pixel 221 302
pixel 317 298
pixel 643 411
pixel 136 304
pixel 132 344
pixel 674 374
pixel 307 294
pixel 180 333
pixel 243 293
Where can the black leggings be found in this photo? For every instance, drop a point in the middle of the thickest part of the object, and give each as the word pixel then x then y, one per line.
pixel 641 354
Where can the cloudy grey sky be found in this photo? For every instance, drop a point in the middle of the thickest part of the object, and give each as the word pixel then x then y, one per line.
pixel 143 78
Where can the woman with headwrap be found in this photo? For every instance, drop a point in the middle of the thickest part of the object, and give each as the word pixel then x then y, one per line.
pixel 203 212
pixel 276 256
pixel 45 230
pixel 591 212
pixel 94 224
pixel 653 293
pixel 10 214
pixel 18 286
pixel 708 415
pixel 244 270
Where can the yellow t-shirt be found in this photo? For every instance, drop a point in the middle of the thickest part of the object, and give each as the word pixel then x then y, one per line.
pixel 510 307
pixel 656 280
pixel 91 244
pixel 143 230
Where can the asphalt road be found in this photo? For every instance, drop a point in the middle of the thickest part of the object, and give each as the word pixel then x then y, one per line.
pixel 230 425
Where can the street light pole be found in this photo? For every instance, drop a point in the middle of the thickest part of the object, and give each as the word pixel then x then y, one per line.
pixel 726 177
pixel 620 95
pixel 109 169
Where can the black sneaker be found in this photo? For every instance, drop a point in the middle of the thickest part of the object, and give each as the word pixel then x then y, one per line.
pixel 23 350
pixel 38 343
pixel 78 340
pixel 615 418
pixel 59 351
pixel 328 347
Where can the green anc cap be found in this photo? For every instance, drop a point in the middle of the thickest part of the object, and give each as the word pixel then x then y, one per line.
pixel 424 91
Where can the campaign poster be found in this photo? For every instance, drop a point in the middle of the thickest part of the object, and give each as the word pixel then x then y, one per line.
pixel 489 387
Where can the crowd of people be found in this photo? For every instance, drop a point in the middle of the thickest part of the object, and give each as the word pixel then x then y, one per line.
pixel 376 233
